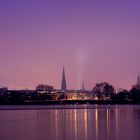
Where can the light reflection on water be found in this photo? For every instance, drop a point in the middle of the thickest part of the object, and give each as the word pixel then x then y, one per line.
pixel 96 123
pixel 102 122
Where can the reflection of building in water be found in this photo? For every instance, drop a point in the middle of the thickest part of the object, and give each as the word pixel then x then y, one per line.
pixel 75 124
pixel 56 122
pixel 85 124
pixel 107 121
pixel 116 123
pixel 96 124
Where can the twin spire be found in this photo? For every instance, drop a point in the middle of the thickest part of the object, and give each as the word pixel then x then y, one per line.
pixel 64 83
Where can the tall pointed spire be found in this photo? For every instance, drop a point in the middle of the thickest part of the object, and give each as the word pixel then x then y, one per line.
pixel 63 83
pixel 83 86
pixel 138 80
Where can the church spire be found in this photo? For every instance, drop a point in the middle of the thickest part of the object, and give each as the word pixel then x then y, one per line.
pixel 63 83
pixel 83 86
pixel 138 80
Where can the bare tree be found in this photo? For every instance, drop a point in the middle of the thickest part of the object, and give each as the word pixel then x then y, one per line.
pixel 103 90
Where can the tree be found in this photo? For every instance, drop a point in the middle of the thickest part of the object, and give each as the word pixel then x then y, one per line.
pixel 4 94
pixel 44 92
pixel 135 94
pixel 103 90
pixel 44 88
pixel 123 95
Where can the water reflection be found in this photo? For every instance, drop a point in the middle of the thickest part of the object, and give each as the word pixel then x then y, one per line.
pixel 75 124
pixel 85 123
pixel 116 122
pixel 107 121
pixel 98 123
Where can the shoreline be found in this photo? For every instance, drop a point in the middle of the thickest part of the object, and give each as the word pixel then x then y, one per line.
pixel 73 102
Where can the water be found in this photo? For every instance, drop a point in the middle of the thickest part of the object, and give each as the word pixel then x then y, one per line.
pixel 70 122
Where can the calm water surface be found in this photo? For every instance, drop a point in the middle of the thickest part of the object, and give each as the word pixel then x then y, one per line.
pixel 70 122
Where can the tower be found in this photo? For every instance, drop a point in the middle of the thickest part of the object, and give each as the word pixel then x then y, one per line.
pixel 83 86
pixel 63 83
pixel 137 85
pixel 138 80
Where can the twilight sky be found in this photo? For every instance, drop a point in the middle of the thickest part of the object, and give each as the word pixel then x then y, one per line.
pixel 96 40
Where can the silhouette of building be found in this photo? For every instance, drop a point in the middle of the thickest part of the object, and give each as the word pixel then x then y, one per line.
pixel 138 80
pixel 83 86
pixel 63 83
pixel 137 85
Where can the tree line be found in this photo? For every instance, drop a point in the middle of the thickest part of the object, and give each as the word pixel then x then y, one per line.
pixel 101 91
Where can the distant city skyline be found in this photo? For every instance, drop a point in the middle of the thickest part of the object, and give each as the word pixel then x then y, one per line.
pixel 64 87
pixel 95 40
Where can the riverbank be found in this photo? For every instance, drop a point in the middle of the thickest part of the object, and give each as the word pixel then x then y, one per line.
pixel 54 102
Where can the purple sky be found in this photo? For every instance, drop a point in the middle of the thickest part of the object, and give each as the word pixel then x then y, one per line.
pixel 96 40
